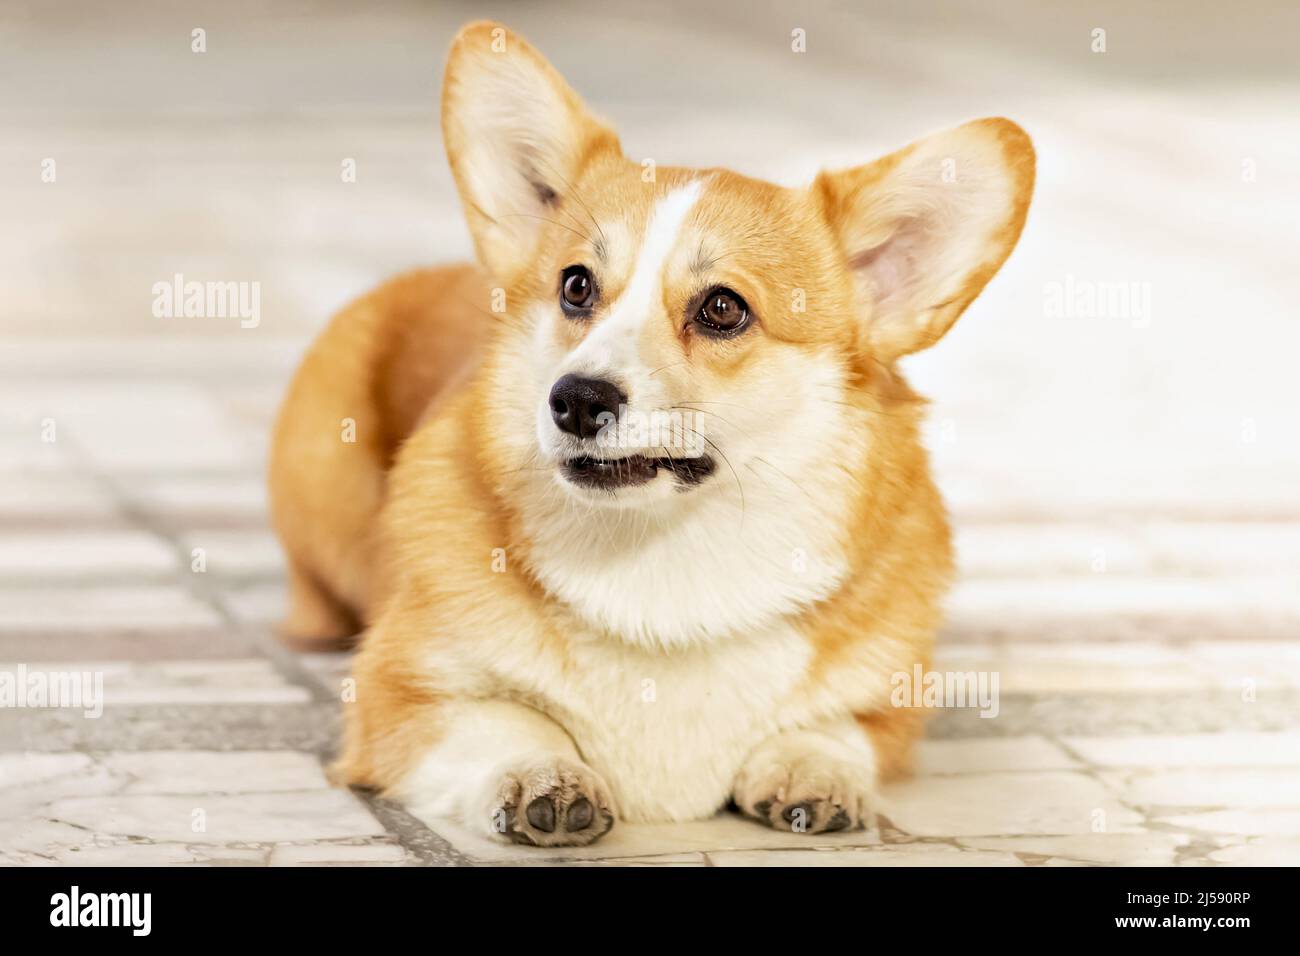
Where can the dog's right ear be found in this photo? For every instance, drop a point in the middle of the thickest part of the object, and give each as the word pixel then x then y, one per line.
pixel 517 137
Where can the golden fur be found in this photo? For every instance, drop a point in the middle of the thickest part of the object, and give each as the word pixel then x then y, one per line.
pixel 425 529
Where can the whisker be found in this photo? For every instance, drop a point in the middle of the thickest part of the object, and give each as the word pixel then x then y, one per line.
pixel 554 222
pixel 739 485
pixel 576 198
pixel 662 367
pixel 745 431
pixel 700 401
pixel 494 316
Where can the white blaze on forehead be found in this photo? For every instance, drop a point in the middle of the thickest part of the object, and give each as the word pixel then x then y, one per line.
pixel 611 346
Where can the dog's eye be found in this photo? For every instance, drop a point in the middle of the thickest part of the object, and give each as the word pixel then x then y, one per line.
pixel 577 290
pixel 723 313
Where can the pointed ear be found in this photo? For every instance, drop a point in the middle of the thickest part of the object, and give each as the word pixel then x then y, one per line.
pixel 516 137
pixel 925 228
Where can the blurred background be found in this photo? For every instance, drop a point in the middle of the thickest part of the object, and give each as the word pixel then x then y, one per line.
pixel 1169 170
pixel 1170 162
pixel 1114 421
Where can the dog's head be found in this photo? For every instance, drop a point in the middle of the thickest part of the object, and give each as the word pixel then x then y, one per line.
pixel 674 334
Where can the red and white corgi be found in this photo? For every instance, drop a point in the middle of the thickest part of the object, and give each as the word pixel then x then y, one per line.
pixel 567 624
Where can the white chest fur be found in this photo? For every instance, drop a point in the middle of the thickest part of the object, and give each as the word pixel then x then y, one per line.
pixel 720 573
pixel 669 730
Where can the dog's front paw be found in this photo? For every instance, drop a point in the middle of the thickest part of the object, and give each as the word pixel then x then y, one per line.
pixel 550 801
pixel 793 783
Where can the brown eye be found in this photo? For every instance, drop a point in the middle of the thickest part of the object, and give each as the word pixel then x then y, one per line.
pixel 723 312
pixel 577 290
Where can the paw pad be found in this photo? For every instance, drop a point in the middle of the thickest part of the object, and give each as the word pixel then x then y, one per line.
pixel 563 804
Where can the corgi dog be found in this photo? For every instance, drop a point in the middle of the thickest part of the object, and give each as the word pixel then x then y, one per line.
pixel 573 616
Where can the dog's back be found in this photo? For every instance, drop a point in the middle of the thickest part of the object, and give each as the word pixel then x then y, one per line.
pixel 380 365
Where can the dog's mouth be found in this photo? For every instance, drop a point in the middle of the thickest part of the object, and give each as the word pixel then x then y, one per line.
pixel 611 474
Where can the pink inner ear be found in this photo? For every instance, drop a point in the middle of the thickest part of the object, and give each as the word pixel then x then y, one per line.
pixel 894 266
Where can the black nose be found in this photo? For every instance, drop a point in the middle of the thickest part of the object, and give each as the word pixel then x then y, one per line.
pixel 577 404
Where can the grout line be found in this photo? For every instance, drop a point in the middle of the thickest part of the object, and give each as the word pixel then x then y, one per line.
pixel 428 846
pixel 281 657
pixel 415 837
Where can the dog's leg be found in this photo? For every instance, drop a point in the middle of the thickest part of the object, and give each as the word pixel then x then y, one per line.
pixel 509 771
pixel 811 781
pixel 316 621
pixel 893 733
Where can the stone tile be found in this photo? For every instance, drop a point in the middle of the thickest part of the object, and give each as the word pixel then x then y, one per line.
pixel 1101 595
pixel 1224 547
pixel 180 771
pixel 229 856
pixel 26 769
pixel 1284 852
pixel 1190 750
pixel 220 499
pixel 1208 787
pixel 101 850
pixel 1047 549
pixel 338 854
pixel 1134 548
pixel 1169 626
pixel 222 818
pixel 117 645
pixel 975 755
pixel 1004 804
pixel 1064 716
pixel 38 841
pixel 259 604
pixel 665 860
pixel 237 553
pixel 1186 606
pixel 310 727
pixel 138 607
pixel 1237 665
pixel 894 854
pixel 726 831
pixel 420 842
pixel 31 782
pixel 24 450
pixel 192 360
pixel 217 681
pixel 145 425
pixel 250 681
pixel 129 853
pixel 1253 822
pixel 256 403
pixel 63 555
pixel 1110 849
pixel 52 499
pixel 1076 668
pixel 331 669
pixel 27 800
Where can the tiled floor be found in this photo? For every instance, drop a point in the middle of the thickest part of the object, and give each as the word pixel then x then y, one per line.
pixel 1124 492
pixel 1171 748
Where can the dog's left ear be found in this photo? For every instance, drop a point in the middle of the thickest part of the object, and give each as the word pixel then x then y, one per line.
pixel 925 228
pixel 517 137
